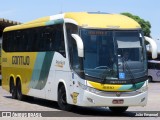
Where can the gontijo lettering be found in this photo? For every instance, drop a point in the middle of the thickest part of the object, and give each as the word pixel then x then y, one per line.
pixel 20 60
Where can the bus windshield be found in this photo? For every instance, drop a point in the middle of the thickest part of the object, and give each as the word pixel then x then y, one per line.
pixel 132 61
pixel 113 55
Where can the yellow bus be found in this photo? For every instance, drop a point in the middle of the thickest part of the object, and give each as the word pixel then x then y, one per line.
pixel 0 59
pixel 77 58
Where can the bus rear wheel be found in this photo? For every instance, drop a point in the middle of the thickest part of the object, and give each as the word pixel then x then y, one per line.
pixel 19 91
pixel 62 99
pixel 13 90
pixel 118 109
pixel 14 93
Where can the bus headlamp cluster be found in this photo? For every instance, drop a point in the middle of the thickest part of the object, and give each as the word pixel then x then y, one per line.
pixel 90 89
pixel 142 89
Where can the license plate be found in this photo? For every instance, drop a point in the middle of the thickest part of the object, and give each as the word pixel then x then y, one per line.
pixel 118 101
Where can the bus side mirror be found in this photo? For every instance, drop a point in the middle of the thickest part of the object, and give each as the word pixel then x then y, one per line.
pixel 79 42
pixel 153 45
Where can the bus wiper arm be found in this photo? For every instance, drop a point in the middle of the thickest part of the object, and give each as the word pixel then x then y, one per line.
pixel 129 71
pixel 105 74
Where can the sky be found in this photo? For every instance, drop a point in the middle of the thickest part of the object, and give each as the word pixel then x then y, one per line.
pixel 27 10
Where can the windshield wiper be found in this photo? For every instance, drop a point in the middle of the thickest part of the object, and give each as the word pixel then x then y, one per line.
pixel 107 73
pixel 125 64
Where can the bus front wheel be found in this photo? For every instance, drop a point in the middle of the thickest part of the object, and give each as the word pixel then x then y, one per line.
pixel 118 109
pixel 62 99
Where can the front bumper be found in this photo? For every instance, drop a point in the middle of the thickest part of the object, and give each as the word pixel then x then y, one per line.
pixel 92 99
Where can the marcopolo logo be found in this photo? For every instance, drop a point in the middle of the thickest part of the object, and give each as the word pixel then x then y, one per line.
pixel 60 63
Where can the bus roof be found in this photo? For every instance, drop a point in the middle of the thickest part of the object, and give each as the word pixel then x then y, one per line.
pixel 98 20
pixel 84 19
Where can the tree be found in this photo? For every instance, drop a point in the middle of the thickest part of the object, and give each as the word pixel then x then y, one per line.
pixel 146 26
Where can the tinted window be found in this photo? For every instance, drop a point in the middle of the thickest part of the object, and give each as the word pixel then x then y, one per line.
pixel 48 38
pixel 74 59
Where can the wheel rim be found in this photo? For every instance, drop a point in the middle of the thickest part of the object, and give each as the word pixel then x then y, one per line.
pixel 63 99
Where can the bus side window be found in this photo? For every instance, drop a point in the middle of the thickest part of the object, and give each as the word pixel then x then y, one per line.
pixel 36 39
pixel 149 65
pixel 17 37
pixel 29 40
pixel 73 53
pixel 51 40
pixel 10 41
pixel 40 39
pixel 157 66
pixel 5 41
pixel 59 40
pixel 153 65
pixel 23 41
pixel 14 45
pixel 48 37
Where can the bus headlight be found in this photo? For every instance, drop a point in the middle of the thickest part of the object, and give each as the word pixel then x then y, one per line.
pixel 84 87
pixel 142 89
pixel 90 89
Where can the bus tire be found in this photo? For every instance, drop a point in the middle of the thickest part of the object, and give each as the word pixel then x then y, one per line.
pixel 13 90
pixel 19 91
pixel 118 109
pixel 150 79
pixel 62 99
pixel 14 93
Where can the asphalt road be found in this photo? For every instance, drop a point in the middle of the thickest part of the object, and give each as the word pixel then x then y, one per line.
pixel 51 108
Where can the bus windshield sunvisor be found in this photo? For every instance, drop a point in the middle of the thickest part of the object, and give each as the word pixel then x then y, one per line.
pixel 128 42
